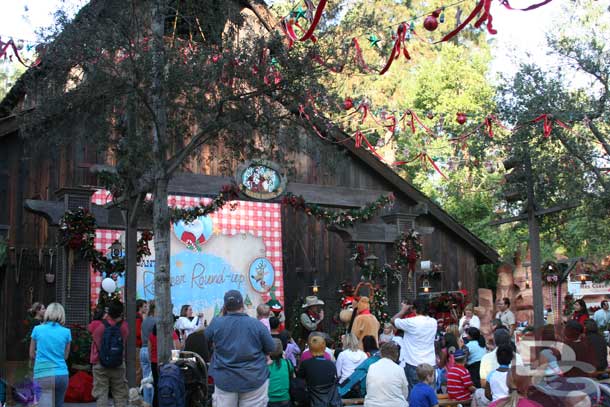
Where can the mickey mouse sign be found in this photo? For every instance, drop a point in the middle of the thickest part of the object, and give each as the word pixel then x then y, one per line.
pixel 260 179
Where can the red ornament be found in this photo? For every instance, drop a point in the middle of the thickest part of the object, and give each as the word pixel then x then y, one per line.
pixel 348 104
pixel 431 23
pixel 461 117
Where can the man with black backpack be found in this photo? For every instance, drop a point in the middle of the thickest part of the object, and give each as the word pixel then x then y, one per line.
pixel 108 357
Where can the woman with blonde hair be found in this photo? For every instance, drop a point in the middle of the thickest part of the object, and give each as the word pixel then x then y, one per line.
pixel 49 348
pixel 320 375
pixel 469 320
pixel 350 357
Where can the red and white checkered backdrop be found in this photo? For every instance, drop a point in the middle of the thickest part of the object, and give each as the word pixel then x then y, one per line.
pixel 259 219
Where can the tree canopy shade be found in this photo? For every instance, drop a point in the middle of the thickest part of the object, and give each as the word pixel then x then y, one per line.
pixel 149 83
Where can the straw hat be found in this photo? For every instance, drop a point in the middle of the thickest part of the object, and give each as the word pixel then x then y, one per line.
pixel 312 300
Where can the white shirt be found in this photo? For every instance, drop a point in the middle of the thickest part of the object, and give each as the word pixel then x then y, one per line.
pixel 507 317
pixel 497 384
pixel 403 352
pixel 186 325
pixel 418 339
pixel 602 318
pixel 347 362
pixel 386 385
pixel 474 322
pixel 489 363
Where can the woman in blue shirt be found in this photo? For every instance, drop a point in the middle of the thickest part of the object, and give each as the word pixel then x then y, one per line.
pixel 49 348
pixel 476 350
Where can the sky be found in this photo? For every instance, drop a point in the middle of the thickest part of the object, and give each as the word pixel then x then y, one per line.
pixel 519 33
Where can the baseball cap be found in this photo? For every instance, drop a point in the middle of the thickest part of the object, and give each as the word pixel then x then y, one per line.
pixel 458 354
pixel 233 299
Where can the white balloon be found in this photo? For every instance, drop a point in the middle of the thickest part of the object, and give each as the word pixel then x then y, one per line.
pixel 109 285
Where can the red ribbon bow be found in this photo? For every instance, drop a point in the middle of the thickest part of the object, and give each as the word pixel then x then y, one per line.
pixel 485 6
pixel 401 35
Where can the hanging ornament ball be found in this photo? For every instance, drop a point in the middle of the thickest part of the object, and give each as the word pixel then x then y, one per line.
pixel 431 23
pixel 109 285
pixel 460 117
pixel 348 103
pixel 430 115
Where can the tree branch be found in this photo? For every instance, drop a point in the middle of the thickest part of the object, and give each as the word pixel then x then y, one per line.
pixel 599 136
pixel 591 167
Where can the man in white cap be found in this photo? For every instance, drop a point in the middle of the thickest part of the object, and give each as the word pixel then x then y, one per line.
pixel 312 315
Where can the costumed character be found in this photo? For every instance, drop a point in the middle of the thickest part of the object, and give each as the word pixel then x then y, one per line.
pixel 365 323
pixel 312 315
pixel 277 309
pixel 344 316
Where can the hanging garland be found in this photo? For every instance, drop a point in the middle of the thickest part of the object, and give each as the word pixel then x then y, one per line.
pixel 404 32
pixel 77 229
pixel 340 218
pixel 229 192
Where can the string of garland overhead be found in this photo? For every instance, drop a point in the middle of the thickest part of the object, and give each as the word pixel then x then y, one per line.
pixel 404 31
pixel 360 114
pixel 16 48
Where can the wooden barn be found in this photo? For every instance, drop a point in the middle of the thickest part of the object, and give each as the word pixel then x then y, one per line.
pixel 311 253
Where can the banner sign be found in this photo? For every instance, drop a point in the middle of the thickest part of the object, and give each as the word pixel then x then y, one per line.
pixel 239 249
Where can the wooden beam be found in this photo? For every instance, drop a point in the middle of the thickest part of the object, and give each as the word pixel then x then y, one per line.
pixel 106 218
pixel 339 197
pixel 8 125
pixel 541 212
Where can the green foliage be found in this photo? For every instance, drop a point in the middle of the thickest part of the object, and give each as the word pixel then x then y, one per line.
pixel 9 74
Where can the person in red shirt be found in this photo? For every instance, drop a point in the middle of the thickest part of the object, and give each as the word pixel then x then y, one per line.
pixel 154 358
pixel 141 311
pixel 580 312
pixel 106 378
pixel 459 383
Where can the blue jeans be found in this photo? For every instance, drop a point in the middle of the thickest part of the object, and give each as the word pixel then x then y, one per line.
pixel 53 390
pixel 411 373
pixel 148 390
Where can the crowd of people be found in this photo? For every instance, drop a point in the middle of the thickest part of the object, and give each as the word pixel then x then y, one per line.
pixel 410 361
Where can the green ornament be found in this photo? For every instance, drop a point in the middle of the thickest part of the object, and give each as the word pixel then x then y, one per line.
pixel 299 13
pixel 373 40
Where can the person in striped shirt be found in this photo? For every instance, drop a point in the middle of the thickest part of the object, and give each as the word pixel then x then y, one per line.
pixel 459 383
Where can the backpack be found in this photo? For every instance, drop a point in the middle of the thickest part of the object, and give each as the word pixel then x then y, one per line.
pixel 111 351
pixel 171 389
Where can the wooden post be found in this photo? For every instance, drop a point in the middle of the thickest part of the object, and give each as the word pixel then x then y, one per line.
pixel 131 243
pixel 534 236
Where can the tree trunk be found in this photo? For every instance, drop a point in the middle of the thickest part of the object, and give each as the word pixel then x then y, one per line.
pixel 161 219
pixel 163 303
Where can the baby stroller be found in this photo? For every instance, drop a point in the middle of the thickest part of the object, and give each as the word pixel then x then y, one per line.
pixel 195 373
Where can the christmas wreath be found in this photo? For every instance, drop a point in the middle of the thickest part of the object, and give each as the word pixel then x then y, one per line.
pixel 408 246
pixel 77 229
pixel 550 273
